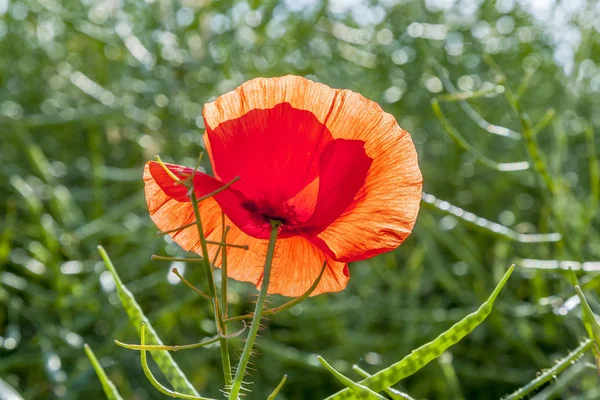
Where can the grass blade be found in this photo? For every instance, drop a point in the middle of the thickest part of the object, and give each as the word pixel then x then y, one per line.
pixel 109 388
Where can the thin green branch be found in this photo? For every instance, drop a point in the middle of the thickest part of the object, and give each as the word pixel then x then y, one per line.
pixel 544 121
pixel 183 259
pixel 533 148
pixel 224 347
pixel 594 170
pixel 469 110
pixel 239 246
pixel 465 145
pixel 224 282
pixel 163 233
pixel 471 94
pixel 156 347
pixel 277 389
pixel 488 226
pixel 219 190
pixel 286 306
pixel 189 183
pixel 188 284
pixel 525 82
pixel 550 373
pixel 222 314
pixel 153 380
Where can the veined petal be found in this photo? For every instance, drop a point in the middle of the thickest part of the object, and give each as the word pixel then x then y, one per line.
pixel 296 264
pixel 161 187
pixel 384 210
pixel 275 151
pixel 170 212
pixel 343 168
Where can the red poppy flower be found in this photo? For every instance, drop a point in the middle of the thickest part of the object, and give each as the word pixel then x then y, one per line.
pixel 332 166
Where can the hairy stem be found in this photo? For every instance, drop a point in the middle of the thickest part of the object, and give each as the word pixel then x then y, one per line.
pixel 241 369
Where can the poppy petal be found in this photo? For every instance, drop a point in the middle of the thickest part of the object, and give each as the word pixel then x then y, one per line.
pixel 170 211
pixel 384 210
pixel 275 151
pixel 230 201
pixel 296 264
pixel 343 168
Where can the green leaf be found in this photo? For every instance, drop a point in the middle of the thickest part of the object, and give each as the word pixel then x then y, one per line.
pixel 393 393
pixel 163 359
pixel 109 388
pixel 358 389
pixel 589 319
pixel 429 351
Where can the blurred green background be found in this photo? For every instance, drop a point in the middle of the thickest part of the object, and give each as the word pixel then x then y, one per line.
pixel 89 91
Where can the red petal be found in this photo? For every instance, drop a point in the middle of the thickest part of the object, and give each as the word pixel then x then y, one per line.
pixel 169 214
pixel 203 184
pixel 343 169
pixel 232 202
pixel 275 151
pixel 384 210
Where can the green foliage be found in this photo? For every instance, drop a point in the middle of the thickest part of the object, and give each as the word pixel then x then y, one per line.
pixel 89 91
pixel 420 357
pixel 109 388
pixel 163 358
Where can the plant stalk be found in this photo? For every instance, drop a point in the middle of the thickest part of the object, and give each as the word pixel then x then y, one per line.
pixel 241 369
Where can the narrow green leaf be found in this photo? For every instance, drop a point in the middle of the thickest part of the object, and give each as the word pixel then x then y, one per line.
pixel 429 351
pixel 358 389
pixel 277 389
pixel 152 379
pixel 109 388
pixel 572 277
pixel 589 319
pixel 163 359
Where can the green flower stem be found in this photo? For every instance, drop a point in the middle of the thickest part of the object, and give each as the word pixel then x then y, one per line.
pixel 224 275
pixel 241 369
pixel 211 289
